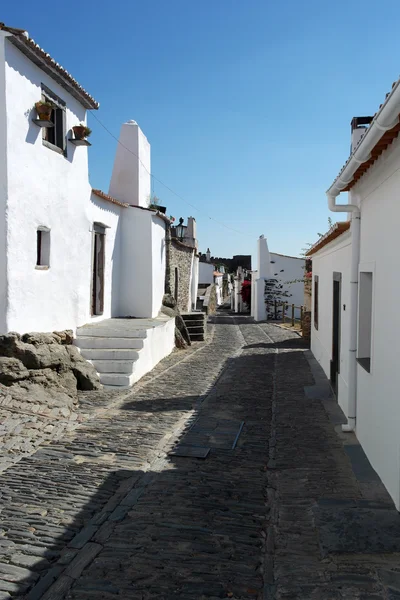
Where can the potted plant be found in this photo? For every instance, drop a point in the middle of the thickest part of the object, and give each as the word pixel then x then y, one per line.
pixel 81 132
pixel 43 109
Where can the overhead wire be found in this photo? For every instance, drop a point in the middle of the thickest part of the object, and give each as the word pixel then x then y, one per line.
pixel 154 178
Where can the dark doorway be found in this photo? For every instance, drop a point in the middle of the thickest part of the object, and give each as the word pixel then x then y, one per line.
pixel 336 299
pixel 98 270
pixel 176 286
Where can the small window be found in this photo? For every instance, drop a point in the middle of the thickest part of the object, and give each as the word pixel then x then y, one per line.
pixel 54 137
pixel 316 282
pixel 43 248
pixel 365 320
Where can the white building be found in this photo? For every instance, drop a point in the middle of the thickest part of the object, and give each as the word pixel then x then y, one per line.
pixel 356 291
pixel 74 256
pixel 209 275
pixel 285 271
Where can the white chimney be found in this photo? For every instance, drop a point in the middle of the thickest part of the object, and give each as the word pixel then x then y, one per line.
pixel 263 258
pixel 130 180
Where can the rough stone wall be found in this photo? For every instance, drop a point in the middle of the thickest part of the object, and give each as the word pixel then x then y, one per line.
pixel 180 257
pixel 306 328
pixel 40 375
pixel 210 300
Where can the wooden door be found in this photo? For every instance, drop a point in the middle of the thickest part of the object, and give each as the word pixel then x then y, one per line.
pixel 98 271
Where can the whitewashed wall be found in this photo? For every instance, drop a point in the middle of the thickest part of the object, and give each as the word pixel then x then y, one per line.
pixel 335 257
pixel 218 279
pixel 158 265
pixel 378 406
pixel 142 275
pixel 3 190
pixel 44 189
pixel 194 282
pixel 206 273
pixel 286 269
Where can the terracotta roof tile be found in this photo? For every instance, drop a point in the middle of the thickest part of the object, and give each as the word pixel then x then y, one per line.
pixel 108 198
pixel 331 235
pixel 20 39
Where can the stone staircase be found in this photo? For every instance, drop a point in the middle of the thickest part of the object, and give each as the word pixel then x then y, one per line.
pixel 196 325
pixel 123 350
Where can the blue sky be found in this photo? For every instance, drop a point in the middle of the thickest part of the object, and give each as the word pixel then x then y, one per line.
pixel 247 104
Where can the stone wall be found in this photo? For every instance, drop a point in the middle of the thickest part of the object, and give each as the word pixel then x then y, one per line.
pixel 180 266
pixel 40 375
pixel 306 327
pixel 210 300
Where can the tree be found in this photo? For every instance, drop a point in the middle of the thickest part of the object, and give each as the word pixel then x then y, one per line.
pixel 245 292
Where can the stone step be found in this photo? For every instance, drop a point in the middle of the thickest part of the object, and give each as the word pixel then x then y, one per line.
pixel 197 337
pixel 193 316
pixel 110 353
pixel 195 329
pixel 106 342
pixel 190 324
pixel 109 331
pixel 116 380
pixel 114 366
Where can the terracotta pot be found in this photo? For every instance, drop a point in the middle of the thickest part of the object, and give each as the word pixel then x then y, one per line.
pixel 79 132
pixel 44 112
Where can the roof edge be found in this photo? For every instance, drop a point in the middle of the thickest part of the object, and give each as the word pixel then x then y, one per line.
pixel 334 232
pixel 21 40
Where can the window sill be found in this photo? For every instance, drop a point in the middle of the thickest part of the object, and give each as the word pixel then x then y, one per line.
pixel 53 147
pixel 365 363
pixel 42 267
pixel 42 123
pixel 77 142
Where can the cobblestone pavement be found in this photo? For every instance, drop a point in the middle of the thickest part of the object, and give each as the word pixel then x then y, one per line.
pixel 107 513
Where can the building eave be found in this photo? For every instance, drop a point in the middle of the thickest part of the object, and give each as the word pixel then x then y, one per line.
pixel 21 40
pixel 334 232
pixel 383 130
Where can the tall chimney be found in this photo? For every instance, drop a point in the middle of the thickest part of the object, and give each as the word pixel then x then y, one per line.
pixel 208 255
pixel 130 180
pixel 359 126
pixel 191 233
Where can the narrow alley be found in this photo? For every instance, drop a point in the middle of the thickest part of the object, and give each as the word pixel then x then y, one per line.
pixel 280 508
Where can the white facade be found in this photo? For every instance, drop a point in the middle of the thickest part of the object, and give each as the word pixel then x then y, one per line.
pixel 370 291
pixel 285 270
pixel 206 273
pixel 45 189
pixel 333 258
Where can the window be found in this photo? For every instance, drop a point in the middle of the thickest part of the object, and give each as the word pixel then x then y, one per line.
pixel 365 320
pixel 43 248
pixel 54 137
pixel 316 282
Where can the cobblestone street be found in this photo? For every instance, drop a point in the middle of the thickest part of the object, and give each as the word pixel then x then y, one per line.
pixel 111 512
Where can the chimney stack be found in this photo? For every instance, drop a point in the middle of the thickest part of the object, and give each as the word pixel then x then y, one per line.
pixel 130 180
pixel 359 126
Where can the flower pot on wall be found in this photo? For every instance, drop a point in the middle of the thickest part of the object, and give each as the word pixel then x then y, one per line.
pixel 79 132
pixel 43 111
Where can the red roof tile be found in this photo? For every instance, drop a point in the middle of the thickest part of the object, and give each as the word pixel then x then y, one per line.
pixel 331 235
pixel 20 39
pixel 108 198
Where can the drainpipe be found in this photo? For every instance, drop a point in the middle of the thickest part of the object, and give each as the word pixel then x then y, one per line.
pixel 385 119
pixel 355 259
